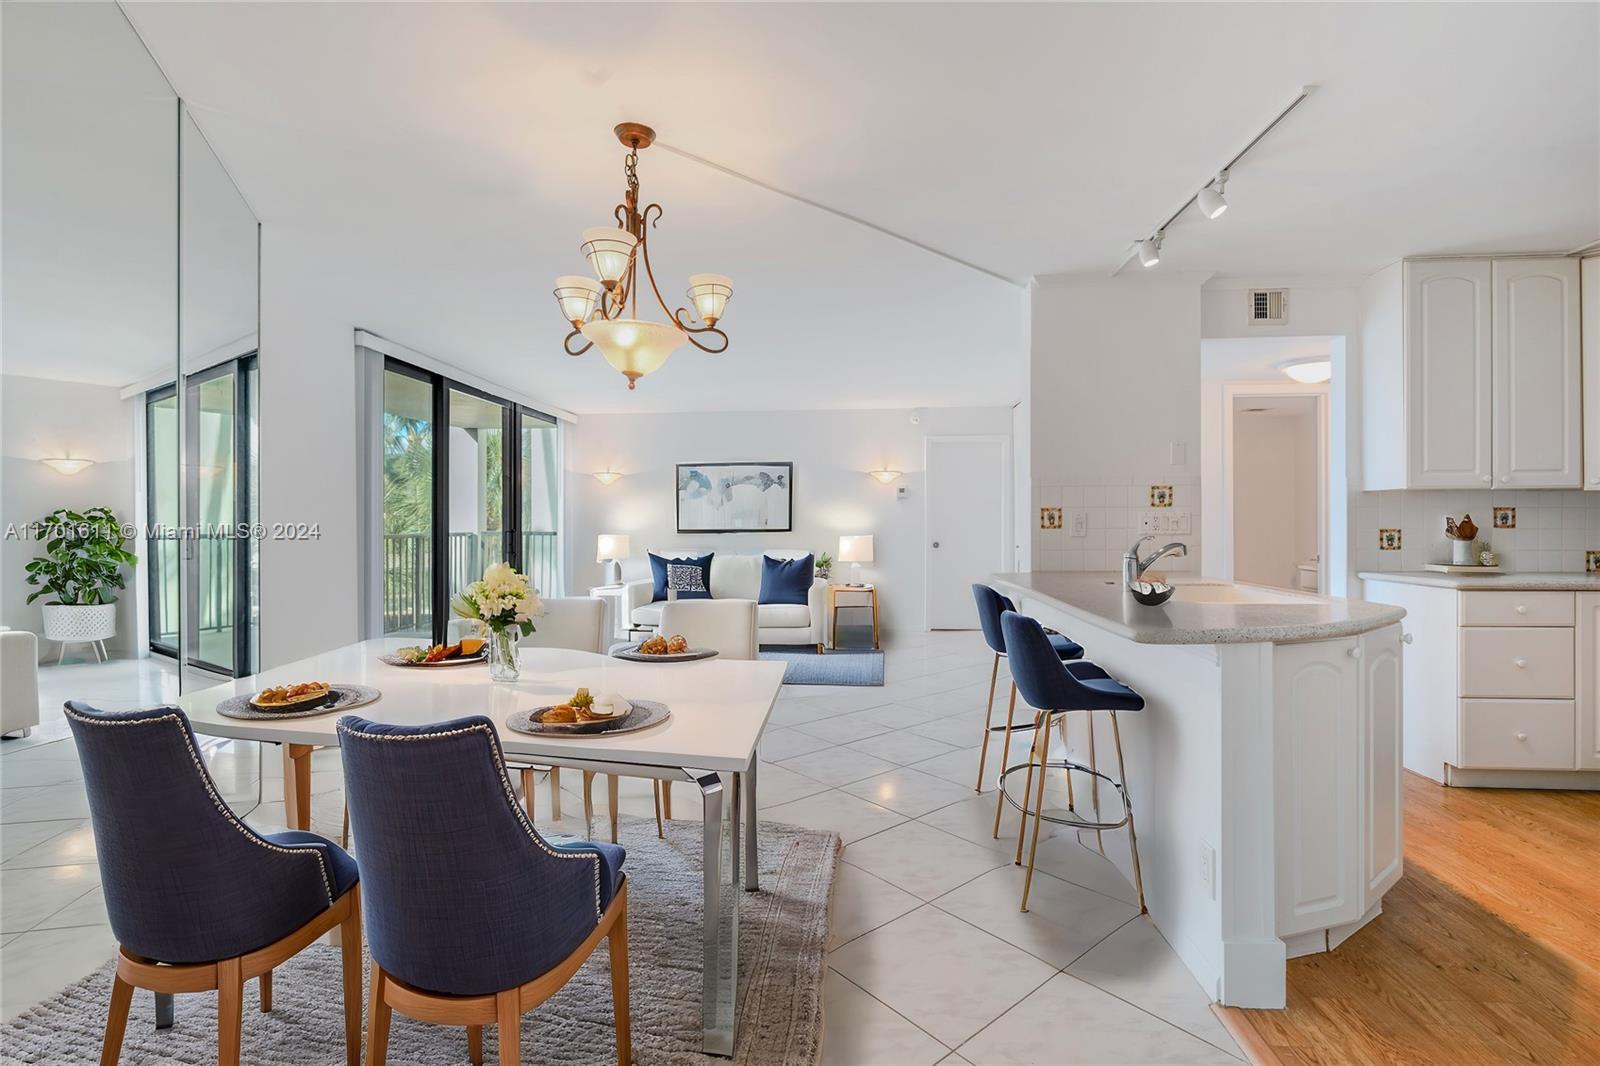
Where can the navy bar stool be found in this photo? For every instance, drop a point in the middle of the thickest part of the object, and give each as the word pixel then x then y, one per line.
pixel 197 899
pixel 991 605
pixel 1056 688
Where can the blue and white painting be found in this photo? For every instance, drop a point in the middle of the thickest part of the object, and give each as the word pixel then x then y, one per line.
pixel 735 497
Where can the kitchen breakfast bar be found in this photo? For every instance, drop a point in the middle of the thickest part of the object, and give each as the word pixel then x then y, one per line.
pixel 1265 767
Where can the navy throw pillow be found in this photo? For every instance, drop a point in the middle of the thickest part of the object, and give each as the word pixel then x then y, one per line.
pixel 786 580
pixel 691 577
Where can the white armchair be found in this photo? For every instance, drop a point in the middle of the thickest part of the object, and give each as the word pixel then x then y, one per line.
pixel 726 626
pixel 19 682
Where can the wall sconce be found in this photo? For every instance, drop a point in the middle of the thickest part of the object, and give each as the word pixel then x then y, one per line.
pixel 68 466
pixel 884 476
pixel 606 476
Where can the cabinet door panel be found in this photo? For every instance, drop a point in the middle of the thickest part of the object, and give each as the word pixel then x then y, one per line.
pixel 1589 320
pixel 1588 724
pixel 1381 713
pixel 1538 438
pixel 1448 374
pixel 1525 663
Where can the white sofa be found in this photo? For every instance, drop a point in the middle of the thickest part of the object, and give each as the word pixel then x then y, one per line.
pixel 734 576
pixel 19 682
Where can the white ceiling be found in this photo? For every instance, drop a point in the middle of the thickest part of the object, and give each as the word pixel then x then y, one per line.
pixel 445 156
pixel 1257 358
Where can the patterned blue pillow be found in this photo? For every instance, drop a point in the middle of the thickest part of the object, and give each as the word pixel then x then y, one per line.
pixel 689 577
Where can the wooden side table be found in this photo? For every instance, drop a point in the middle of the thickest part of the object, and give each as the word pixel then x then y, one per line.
pixel 834 591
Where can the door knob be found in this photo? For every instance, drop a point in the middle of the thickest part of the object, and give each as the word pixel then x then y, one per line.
pixel 1522 664
pixel 1522 736
pixel 1522 608
pixel 935 544
pixel 1407 638
pixel 1355 653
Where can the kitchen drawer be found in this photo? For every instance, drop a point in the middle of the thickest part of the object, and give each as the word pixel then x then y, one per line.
pixel 1518 734
pixel 1526 663
pixel 1517 609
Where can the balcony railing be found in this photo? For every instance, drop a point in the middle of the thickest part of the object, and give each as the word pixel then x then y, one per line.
pixel 408 571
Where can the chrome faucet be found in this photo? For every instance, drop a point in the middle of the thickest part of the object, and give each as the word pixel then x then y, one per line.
pixel 1133 567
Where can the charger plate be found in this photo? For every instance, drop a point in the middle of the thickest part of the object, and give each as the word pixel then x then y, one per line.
pixel 643 715
pixel 344 698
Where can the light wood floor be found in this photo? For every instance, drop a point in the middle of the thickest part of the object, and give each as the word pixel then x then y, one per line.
pixel 1487 951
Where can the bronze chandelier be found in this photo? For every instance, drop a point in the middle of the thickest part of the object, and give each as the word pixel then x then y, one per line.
pixel 605 312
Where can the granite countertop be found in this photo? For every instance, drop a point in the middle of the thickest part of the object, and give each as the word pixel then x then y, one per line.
pixel 1511 582
pixel 1201 611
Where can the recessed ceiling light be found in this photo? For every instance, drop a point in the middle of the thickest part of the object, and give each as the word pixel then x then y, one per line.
pixel 1313 371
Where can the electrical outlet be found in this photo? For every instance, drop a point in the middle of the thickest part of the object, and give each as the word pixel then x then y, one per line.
pixel 1147 523
pixel 1208 869
pixel 1080 523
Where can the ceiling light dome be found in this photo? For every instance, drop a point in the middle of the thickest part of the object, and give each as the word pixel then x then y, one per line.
pixel 1311 371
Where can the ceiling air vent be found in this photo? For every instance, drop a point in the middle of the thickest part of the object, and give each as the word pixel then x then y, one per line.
pixel 1269 307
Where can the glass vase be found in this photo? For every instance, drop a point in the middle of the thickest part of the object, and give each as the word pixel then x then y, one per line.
pixel 503 655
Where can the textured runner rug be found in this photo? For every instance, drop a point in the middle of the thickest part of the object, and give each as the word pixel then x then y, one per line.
pixel 782 932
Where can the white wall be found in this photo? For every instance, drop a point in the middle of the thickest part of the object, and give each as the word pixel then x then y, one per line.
pixel 41 418
pixel 1274 496
pixel 1114 393
pixel 831 452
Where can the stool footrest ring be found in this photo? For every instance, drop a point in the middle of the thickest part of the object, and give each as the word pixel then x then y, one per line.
pixel 1060 819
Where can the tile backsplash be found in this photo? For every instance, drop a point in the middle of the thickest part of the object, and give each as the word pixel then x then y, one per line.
pixel 1548 530
pixel 1109 513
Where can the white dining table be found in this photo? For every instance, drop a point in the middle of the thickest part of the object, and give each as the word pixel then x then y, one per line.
pixel 719 710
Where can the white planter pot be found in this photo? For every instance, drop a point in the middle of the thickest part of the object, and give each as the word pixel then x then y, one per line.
pixel 80 623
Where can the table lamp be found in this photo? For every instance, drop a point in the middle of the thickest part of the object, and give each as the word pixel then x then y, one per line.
pixel 855 551
pixel 611 548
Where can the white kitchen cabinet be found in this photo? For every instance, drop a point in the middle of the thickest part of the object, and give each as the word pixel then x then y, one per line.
pixel 1471 375
pixel 1538 410
pixel 1589 322
pixel 1588 706
pixel 1382 734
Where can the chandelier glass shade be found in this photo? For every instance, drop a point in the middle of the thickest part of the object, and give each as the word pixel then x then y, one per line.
pixel 604 313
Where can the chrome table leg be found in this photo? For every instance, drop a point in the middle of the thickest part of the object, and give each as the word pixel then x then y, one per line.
pixel 747 789
pixel 720 964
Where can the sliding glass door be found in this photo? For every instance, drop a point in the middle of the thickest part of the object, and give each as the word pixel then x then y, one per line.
pixel 484 491
pixel 218 490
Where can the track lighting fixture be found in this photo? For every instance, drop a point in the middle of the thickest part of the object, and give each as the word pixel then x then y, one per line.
pixel 1210 199
pixel 1150 250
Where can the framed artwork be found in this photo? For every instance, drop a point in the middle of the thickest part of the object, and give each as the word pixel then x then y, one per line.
pixel 735 497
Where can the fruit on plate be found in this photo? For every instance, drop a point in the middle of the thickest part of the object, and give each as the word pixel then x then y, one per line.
pixel 281 695
pixel 441 652
pixel 677 644
pixel 470 646
pixel 582 700
pixel 412 654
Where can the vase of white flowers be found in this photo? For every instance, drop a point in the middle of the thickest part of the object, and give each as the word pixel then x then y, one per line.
pixel 504 605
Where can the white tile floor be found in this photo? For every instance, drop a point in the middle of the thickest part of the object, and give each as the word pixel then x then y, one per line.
pixel 929 959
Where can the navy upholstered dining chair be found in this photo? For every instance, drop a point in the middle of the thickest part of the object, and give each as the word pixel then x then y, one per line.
pixel 197 899
pixel 472 917
pixel 991 605
pixel 1055 688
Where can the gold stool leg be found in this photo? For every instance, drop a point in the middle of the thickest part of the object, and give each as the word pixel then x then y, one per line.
pixel 1133 840
pixel 1005 758
pixel 1038 814
pixel 1027 789
pixel 988 720
pixel 1066 755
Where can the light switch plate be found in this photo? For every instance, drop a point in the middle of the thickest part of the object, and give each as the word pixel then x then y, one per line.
pixel 1080 523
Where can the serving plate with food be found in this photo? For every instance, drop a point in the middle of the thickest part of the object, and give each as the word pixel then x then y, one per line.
pixel 583 713
pixel 663 649
pixel 464 652
pixel 281 699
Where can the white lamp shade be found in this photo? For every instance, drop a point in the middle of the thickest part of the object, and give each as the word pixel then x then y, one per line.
pixel 709 293
pixel 577 296
pixel 609 546
pixel 634 347
pixel 856 549
pixel 1307 371
pixel 609 250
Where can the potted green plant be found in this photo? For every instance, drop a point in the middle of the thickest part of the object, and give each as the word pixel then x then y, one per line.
pixel 81 568
pixel 824 566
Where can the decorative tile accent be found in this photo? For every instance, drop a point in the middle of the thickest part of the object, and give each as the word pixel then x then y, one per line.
pixel 1591 561
pixel 1049 518
pixel 1505 518
pixel 1160 495
pixel 1389 540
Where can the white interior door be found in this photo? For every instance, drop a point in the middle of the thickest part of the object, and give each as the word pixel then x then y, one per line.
pixel 968 500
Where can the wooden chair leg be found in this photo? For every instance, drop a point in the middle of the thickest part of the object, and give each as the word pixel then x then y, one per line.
pixel 344 830
pixel 988 720
pixel 230 1011
pixel 1005 756
pixel 611 797
pixel 350 958
pixel 264 986
pixel 617 941
pixel 508 1019
pixel 378 1011
pixel 527 790
pixel 475 1045
pixel 588 804
pixel 117 1022
pixel 555 792
pixel 655 791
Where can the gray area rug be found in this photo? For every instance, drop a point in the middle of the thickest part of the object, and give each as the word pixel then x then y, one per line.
pixel 862 668
pixel 782 933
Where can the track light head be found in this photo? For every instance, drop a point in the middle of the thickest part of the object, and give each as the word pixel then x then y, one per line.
pixel 1150 250
pixel 1210 199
